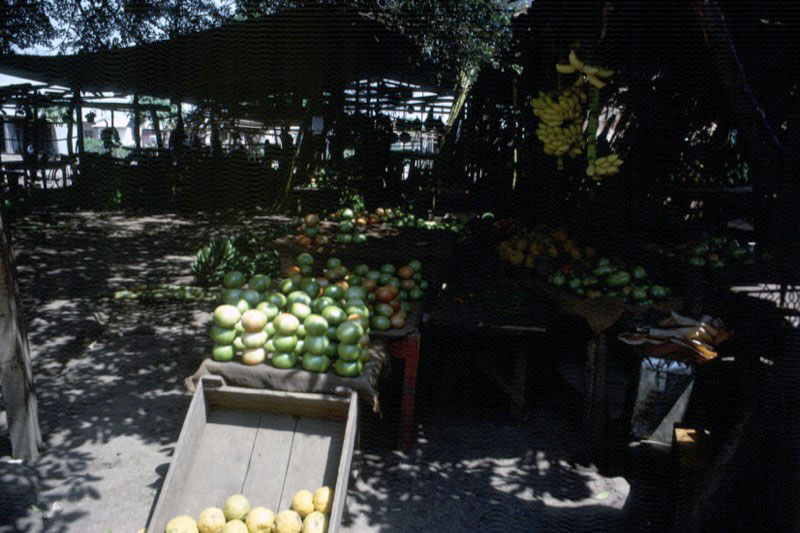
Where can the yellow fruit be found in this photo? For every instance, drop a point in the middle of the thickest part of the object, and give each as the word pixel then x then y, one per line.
pixel 288 522
pixel 323 500
pixel 564 69
pixel 260 520
pixel 237 507
pixel 235 526
pixel 574 61
pixel 211 520
pixel 181 524
pixel 595 81
pixel 303 503
pixel 254 320
pixel 315 522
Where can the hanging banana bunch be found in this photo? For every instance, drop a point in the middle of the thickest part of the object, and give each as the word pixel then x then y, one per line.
pixel 560 129
pixel 595 76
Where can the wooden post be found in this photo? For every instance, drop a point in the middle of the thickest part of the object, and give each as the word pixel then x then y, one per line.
pixel 79 114
pixel 15 362
pixel 157 127
pixel 137 122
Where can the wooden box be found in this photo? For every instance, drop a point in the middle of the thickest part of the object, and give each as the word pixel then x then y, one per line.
pixel 264 444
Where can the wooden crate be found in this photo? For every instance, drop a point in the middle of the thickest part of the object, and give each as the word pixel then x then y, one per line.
pixel 264 444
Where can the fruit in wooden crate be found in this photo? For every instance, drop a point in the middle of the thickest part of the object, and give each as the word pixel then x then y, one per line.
pixel 236 507
pixel 211 520
pixel 235 526
pixel 288 521
pixel 315 522
pixel 323 500
pixel 303 503
pixel 260 520
pixel 181 524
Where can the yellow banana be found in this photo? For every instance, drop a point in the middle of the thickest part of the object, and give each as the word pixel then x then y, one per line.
pixel 564 69
pixel 604 72
pixel 574 61
pixel 590 69
pixel 590 170
pixel 595 81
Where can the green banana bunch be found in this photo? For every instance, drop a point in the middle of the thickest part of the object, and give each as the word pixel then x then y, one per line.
pixel 604 166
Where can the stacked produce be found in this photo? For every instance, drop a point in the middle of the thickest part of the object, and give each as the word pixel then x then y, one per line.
pixel 350 229
pixel 301 323
pixel 388 291
pixel 542 245
pixel 312 232
pixel 716 252
pixel 309 513
pixel 611 279
pixel 445 223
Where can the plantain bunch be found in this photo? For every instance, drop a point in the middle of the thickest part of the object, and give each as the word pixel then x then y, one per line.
pixel 560 122
pixel 604 166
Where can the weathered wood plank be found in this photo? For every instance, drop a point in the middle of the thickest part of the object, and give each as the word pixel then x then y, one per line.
pixel 269 460
pixel 315 456
pixel 279 402
pixel 345 462
pixel 19 394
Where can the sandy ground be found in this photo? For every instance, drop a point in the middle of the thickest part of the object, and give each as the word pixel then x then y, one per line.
pixel 111 402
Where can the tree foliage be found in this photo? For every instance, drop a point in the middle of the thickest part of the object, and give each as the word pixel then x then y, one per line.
pixel 23 23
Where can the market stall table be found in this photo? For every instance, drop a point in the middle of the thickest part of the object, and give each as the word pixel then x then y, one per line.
pixel 266 376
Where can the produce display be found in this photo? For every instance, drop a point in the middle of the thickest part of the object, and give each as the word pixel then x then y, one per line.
pixel 551 253
pixel 350 228
pixel 715 253
pixel 309 513
pixel 388 290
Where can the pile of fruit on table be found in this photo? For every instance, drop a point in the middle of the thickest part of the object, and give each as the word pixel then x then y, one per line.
pixel 716 252
pixel 551 253
pixel 309 513
pixel 609 278
pixel 316 322
pixel 542 248
pixel 349 229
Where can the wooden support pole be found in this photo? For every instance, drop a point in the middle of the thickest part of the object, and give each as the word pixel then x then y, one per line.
pixel 157 127
pixel 79 115
pixel 137 122
pixel 16 372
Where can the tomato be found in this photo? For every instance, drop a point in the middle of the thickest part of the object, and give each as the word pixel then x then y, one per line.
pixel 388 268
pixel 227 316
pixel 316 363
pixel 311 288
pixel 349 352
pixel 369 284
pixel 395 304
pixel 254 320
pixel 334 315
pixel 346 228
pixel 306 271
pixel 407 284
pixel 315 325
pixel 415 265
pixel 259 283
pixel 287 286
pixel 269 310
pixel 331 333
pixel 373 275
pixel 347 369
pixel 277 299
pixel 270 328
pixel 415 294
pixel 393 282
pixel 355 292
pixel 284 360
pixel 398 320
pixel 384 309
pixel 405 306
pixel 286 324
pixel 423 284
pixel 405 272
pixel 254 339
pixel 383 294
pixel 222 335
pixel 347 214
pixel 223 352
pixel 300 310
pixel 232 296
pixel 355 280
pixel 301 331
pixel 300 347
pixel 334 292
pixel 359 238
pixel 381 323
pixel 361 270
pixel 384 278
pixel 355 302
pixel 284 343
pixel 349 331
pixel 269 346
pixel 233 280
pixel 305 259
pixel 254 356
pixel 359 318
pixel 311 231
pixel 364 341
pixel 321 303
pixel 316 345
pixel 333 262
pixel 311 220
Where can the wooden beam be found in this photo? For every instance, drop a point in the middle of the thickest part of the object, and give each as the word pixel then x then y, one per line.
pixel 16 372
pixel 157 127
pixel 137 122
pixel 79 116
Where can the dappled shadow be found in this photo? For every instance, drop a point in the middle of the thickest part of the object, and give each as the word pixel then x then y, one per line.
pixel 109 374
pixel 468 476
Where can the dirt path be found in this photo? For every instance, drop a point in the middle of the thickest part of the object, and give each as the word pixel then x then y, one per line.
pixel 109 383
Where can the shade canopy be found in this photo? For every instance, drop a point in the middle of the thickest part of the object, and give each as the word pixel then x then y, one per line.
pixel 302 52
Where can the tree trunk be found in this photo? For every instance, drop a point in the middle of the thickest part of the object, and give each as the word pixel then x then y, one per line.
pixel 15 362
pixel 79 114
pixel 157 127
pixel 289 176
